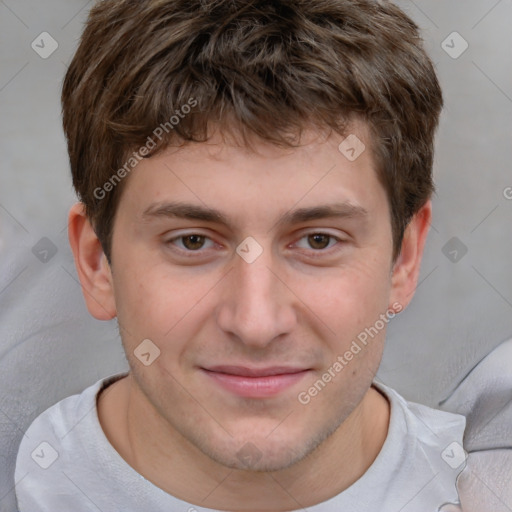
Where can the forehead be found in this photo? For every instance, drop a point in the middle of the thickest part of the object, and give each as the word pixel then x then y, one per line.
pixel 326 175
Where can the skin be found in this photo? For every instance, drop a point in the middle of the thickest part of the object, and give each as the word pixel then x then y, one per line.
pixel 170 420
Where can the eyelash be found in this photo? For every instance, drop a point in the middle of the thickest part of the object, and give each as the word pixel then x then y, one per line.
pixel 193 254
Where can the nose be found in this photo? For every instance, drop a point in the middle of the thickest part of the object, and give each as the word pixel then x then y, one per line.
pixel 257 306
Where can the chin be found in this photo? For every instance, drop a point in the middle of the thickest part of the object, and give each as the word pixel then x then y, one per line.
pixel 261 453
pixel 250 458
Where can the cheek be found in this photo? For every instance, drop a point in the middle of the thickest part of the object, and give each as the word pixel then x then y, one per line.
pixel 352 297
pixel 351 306
pixel 154 303
pixel 145 303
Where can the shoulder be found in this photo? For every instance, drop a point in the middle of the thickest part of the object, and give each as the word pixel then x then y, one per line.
pixel 423 451
pixel 49 432
pixel 52 444
pixel 421 420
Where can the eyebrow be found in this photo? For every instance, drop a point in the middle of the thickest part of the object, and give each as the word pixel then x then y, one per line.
pixel 190 211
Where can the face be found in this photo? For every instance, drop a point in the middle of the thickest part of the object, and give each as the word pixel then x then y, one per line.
pixel 253 273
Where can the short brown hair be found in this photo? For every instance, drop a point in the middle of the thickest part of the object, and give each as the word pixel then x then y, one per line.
pixel 269 68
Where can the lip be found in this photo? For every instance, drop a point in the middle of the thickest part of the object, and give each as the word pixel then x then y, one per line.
pixel 255 382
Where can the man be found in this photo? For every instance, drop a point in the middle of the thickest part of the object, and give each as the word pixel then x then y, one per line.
pixel 254 181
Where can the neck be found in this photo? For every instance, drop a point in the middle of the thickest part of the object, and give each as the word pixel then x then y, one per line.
pixel 172 463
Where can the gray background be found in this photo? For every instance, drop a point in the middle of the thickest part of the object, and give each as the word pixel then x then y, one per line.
pixel 50 347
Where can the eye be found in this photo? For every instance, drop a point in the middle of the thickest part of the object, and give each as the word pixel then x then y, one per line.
pixel 190 242
pixel 319 241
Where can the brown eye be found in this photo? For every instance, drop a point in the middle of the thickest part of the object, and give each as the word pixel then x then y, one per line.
pixel 320 244
pixel 193 242
pixel 190 243
pixel 319 240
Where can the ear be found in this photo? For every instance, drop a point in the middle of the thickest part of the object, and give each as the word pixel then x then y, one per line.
pixel 406 268
pixel 91 264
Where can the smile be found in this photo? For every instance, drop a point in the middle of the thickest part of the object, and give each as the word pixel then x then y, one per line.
pixel 255 383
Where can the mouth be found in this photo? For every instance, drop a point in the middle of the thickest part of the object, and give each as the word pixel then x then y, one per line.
pixel 255 382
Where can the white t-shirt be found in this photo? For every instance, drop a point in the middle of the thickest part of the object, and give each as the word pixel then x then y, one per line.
pixel 66 464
